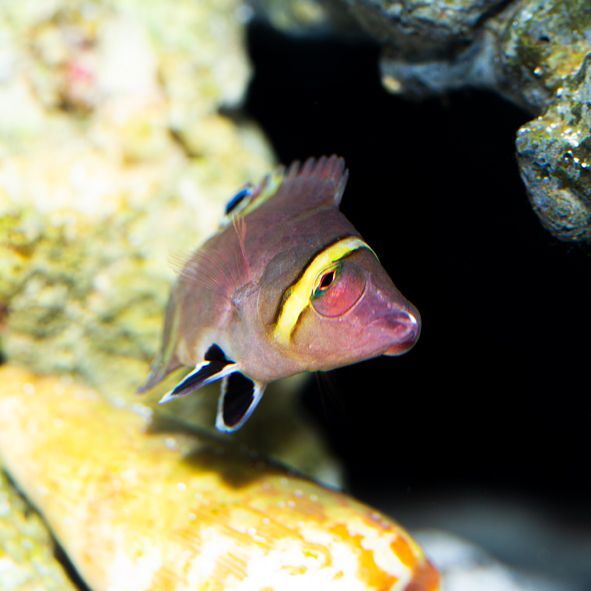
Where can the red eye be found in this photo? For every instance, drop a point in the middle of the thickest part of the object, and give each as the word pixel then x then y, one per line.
pixel 338 289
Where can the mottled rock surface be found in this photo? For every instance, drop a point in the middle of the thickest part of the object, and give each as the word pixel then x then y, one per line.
pixel 114 161
pixel 554 152
pixel 530 51
pixel 421 29
pixel 524 48
pixel 542 45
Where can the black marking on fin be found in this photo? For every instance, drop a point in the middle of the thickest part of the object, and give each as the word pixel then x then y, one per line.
pixel 215 353
pixel 214 367
pixel 235 201
pixel 240 396
pixel 198 378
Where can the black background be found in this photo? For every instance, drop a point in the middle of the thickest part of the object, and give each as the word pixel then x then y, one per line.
pixel 495 395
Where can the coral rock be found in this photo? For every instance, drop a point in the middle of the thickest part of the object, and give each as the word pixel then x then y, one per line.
pixel 114 159
pixel 530 51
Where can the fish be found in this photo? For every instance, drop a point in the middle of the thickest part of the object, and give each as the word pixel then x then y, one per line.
pixel 286 285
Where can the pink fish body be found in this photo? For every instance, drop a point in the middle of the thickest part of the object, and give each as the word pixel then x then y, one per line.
pixel 286 285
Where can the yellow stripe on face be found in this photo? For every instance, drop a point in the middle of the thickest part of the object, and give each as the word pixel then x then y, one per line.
pixel 300 292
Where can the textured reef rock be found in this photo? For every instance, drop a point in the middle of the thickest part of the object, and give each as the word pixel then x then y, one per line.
pixel 554 153
pixel 531 51
pixel 114 159
pixel 423 29
pixel 139 503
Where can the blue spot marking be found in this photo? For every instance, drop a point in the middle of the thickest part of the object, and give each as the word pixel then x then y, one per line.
pixel 237 199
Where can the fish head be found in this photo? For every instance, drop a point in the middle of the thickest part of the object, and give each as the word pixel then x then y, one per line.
pixel 354 312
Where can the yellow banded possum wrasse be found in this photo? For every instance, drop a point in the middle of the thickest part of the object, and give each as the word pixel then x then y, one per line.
pixel 286 285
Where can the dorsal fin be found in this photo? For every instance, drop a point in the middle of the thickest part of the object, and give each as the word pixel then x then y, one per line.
pixel 314 183
pixel 321 180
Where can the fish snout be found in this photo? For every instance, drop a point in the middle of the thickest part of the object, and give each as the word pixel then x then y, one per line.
pixel 404 326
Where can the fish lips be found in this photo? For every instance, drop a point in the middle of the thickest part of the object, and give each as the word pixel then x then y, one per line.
pixel 402 327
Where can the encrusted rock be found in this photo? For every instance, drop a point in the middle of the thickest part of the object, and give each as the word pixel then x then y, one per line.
pixel 530 51
pixel 422 29
pixel 114 160
pixel 554 152
pixel 541 46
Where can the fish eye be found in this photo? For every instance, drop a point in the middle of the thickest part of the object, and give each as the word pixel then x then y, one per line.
pixel 326 280
pixel 338 289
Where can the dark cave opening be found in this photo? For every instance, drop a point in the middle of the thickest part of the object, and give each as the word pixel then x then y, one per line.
pixel 492 397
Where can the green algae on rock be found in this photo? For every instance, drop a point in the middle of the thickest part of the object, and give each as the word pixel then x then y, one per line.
pixel 554 152
pixel 542 45
pixel 530 51
pixel 27 558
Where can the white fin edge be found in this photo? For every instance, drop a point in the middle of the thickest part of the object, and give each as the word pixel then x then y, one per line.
pixel 228 369
pixel 220 425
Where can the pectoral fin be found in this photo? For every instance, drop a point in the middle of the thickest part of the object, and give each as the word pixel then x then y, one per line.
pixel 166 361
pixel 214 367
pixel 240 396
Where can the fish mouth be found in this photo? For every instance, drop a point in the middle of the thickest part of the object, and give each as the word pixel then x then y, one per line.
pixel 403 328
